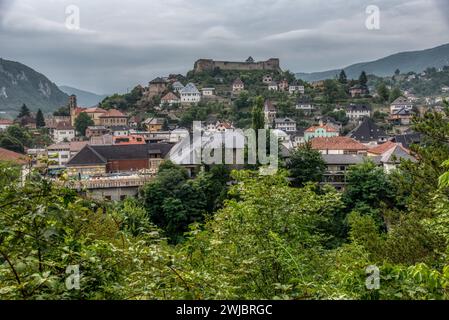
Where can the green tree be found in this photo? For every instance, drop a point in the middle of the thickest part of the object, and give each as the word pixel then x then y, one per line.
pixel 363 79
pixel 173 201
pixel 20 134
pixel 306 165
pixel 82 122
pixel 258 117
pixel 343 79
pixel 333 91
pixel 11 143
pixel 395 93
pixel 62 112
pixel 368 190
pixel 24 111
pixel 40 121
pixel 383 92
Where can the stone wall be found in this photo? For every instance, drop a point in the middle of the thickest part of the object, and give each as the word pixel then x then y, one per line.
pixel 209 65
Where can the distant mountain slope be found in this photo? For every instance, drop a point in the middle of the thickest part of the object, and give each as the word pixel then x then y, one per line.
pixel 84 98
pixel 20 84
pixel 416 61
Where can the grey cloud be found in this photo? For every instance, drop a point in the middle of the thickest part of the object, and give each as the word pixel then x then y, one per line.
pixel 125 43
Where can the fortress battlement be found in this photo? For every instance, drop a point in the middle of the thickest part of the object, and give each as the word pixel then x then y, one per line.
pixel 272 64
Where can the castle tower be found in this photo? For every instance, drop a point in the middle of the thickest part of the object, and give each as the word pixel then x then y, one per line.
pixel 72 108
pixel 72 102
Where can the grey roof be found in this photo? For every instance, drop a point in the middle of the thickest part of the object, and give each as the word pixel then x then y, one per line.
pixel 158 80
pixel 367 131
pixel 190 88
pixel 348 159
pixel 91 155
pixel 358 107
pixel 283 120
pixel 96 128
pixel 408 139
pixel 401 101
pixel 87 156
pixel 402 112
pixel 395 155
pixel 298 133
pixel 178 85
pixel 119 128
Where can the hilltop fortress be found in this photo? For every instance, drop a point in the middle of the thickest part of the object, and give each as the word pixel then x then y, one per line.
pixel 272 64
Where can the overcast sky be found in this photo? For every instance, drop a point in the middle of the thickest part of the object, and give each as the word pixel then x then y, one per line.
pixel 124 43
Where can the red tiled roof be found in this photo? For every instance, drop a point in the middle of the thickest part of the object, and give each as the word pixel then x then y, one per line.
pixel 63 126
pixel 170 97
pixel 7 155
pixel 95 110
pixel 76 146
pixel 387 146
pixel 6 122
pixel 113 113
pixel 337 143
pixel 326 127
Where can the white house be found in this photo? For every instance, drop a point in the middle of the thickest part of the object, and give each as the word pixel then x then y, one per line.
pixel 190 94
pixel 63 132
pixel 267 79
pixel 178 134
pixel 273 86
pixel 401 103
pixel 170 99
pixel 358 112
pixel 119 131
pixel 295 89
pixel 238 85
pixel 58 154
pixel 285 124
pixel 207 92
pixel 177 87
pixel 5 123
pixel 305 105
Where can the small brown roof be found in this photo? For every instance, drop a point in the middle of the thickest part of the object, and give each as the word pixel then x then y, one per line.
pixel 94 110
pixel 326 127
pixel 8 155
pixel 387 146
pixel 268 106
pixel 113 113
pixel 337 143
pixel 64 126
pixel 170 97
pixel 6 122
pixel 238 82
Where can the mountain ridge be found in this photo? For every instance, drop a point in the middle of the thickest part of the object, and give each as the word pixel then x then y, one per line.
pixel 20 84
pixel 407 61
pixel 84 98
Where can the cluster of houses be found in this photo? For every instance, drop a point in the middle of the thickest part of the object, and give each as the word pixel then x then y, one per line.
pixel 284 86
pixel 122 152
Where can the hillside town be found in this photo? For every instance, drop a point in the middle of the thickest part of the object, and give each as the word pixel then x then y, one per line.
pixel 109 152
pixel 224 159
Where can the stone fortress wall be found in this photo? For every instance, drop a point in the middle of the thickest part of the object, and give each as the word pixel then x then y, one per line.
pixel 272 64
